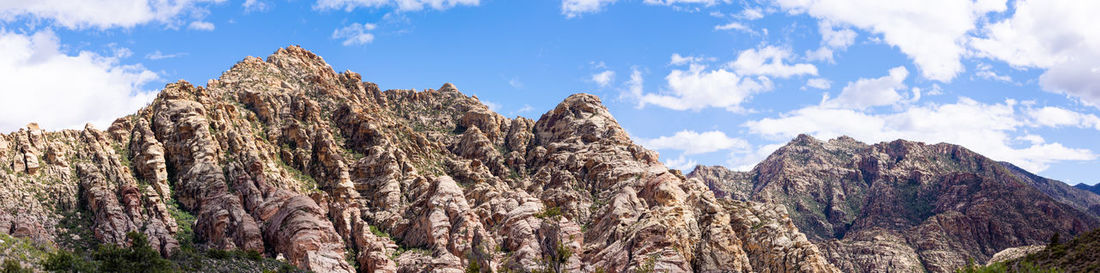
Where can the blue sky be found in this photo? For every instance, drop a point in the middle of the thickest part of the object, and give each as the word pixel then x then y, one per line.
pixel 717 82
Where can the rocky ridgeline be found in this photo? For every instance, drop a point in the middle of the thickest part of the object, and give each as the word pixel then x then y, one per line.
pixel 293 160
pixel 905 206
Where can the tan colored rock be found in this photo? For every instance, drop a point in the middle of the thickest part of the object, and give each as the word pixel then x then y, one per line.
pixel 288 157
pixel 1013 253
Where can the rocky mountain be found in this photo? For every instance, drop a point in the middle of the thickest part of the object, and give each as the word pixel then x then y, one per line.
pixel 905 206
pixel 1094 188
pixel 288 158
pixel 1077 255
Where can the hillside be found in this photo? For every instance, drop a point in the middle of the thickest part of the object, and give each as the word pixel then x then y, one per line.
pixel 905 206
pixel 289 159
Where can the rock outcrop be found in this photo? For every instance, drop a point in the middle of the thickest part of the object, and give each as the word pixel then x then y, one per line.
pixel 1013 253
pixel 286 157
pixel 905 206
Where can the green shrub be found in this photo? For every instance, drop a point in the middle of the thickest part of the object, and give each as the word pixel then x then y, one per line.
pixel 65 261
pixel 139 257
pixel 11 266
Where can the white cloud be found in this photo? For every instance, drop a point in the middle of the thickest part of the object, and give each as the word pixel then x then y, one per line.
pixel 603 79
pixel 678 59
pixel 58 90
pixel 984 128
pixel 832 39
pixel 681 163
pixel 865 93
pixel 201 25
pixel 515 83
pixel 254 5
pixel 495 107
pixel 819 83
pixel 676 2
pixel 1056 35
pixel 836 38
pixel 1050 116
pixel 769 61
pixel 752 13
pixel 157 55
pixel 691 142
pixel 985 71
pixel 574 8
pixel 698 88
pixel 634 86
pixel 733 25
pixel 932 33
pixel 526 108
pixel 105 14
pixel 745 160
pixel 354 34
pixel 400 5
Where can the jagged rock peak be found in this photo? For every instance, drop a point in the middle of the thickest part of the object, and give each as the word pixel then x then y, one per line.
pixel 288 158
pixel 804 139
pixel 580 117
pixel 295 54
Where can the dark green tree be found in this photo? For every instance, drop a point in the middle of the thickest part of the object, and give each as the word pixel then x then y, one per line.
pixel 139 257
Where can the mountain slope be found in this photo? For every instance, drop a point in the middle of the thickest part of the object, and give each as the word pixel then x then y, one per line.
pixel 905 206
pixel 1094 188
pixel 1077 255
pixel 291 159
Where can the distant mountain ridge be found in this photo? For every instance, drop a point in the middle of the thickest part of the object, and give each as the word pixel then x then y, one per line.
pixel 906 206
pixel 1091 188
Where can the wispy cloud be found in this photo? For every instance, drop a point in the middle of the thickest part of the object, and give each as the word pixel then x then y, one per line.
pixel 157 55
pixel 201 25
pixel 355 34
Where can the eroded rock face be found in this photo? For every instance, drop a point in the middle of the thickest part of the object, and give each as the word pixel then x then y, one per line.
pixel 289 158
pixel 906 206
pixel 1013 253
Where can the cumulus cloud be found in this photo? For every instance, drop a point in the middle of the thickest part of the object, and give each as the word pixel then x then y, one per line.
pixel 692 142
pixel 95 88
pixel 769 61
pixel 865 93
pixel 699 87
pixel 745 160
pixel 1056 35
pixel 681 163
pixel 574 8
pixel 603 79
pixel 819 83
pixel 400 5
pixel 832 39
pixel 201 25
pixel 985 128
pixel 355 34
pixel 1050 116
pixel 105 14
pixel 932 33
